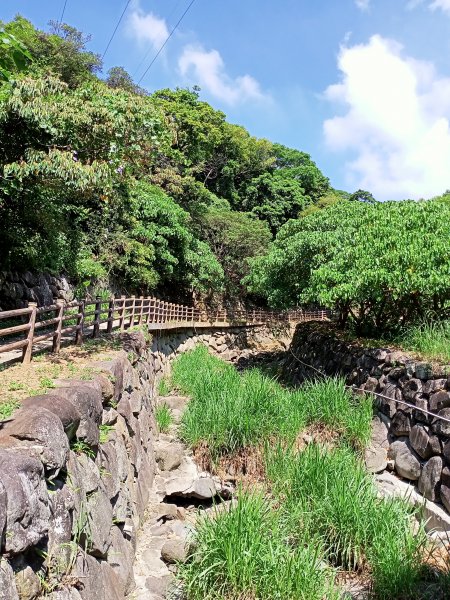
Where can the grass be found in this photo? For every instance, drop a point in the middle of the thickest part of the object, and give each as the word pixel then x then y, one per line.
pixel 245 553
pixel 429 339
pixel 229 411
pixel 164 387
pixel 317 512
pixel 164 418
pixel 8 408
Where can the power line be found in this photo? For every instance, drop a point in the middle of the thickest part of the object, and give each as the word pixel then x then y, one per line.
pixel 116 28
pixel 62 15
pixel 165 42
pixel 150 47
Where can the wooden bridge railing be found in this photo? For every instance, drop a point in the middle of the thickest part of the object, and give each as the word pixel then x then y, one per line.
pixel 89 317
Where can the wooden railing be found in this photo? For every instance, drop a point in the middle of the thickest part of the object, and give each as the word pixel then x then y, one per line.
pixel 86 317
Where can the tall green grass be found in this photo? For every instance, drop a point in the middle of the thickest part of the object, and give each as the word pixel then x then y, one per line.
pixel 246 553
pixel 429 339
pixel 329 493
pixel 229 411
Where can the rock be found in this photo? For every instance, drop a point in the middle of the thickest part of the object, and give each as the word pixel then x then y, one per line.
pixel 120 558
pixel 434 385
pixel 100 516
pixel 430 478
pixel 418 414
pixel 406 464
pixel 424 370
pixel 380 432
pixel 40 432
pixel 401 424
pixel 60 529
pixel 375 459
pixel 3 509
pixel 109 416
pixel 203 489
pixel 28 584
pixel 173 551
pixel 411 388
pixel 27 509
pixel 439 426
pixel 60 406
pixel 445 488
pixel 65 594
pixel 435 517
pixel 88 571
pixel 424 444
pixel 439 400
pixel 168 455
pixel 8 590
pixel 159 586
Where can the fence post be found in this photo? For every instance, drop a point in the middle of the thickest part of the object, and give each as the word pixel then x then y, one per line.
pixel 56 346
pixel 109 326
pixel 122 314
pixel 133 308
pixel 98 308
pixel 80 324
pixel 28 349
pixel 141 313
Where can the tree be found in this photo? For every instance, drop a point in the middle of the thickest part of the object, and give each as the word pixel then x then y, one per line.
pixel 381 264
pixel 14 55
pixel 362 196
pixel 118 78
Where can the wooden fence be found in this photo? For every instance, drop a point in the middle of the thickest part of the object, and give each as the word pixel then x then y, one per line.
pixel 88 317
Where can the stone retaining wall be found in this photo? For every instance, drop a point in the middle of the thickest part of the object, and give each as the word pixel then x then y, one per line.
pixel 73 493
pixel 419 444
pixel 17 289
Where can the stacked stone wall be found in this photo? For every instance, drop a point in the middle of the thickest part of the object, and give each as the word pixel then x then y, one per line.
pixel 419 443
pixel 77 466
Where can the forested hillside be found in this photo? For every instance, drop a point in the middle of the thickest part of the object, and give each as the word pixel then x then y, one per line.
pixel 114 186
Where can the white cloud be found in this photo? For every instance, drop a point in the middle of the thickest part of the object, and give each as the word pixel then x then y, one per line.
pixel 208 70
pixel 396 121
pixel 442 4
pixel 147 27
pixel 363 5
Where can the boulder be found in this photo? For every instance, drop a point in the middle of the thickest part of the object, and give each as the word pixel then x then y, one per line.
pixel 411 388
pixel 430 478
pixel 120 558
pixel 58 405
pixel 61 522
pixel 65 594
pixel 88 401
pixel 423 370
pixel 168 455
pixel 424 444
pixel 439 400
pixel 40 432
pixel 375 459
pixel 401 424
pixel 8 590
pixel 434 385
pixel 28 584
pixel 174 551
pixel 27 508
pixel 406 463
pixel 439 426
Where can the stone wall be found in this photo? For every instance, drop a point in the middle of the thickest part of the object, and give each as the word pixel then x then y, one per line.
pixel 419 444
pixel 72 493
pixel 16 290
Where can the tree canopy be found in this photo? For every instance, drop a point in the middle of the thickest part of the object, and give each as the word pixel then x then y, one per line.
pixel 381 264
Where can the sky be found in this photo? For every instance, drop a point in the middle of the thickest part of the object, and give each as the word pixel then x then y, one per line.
pixel 363 86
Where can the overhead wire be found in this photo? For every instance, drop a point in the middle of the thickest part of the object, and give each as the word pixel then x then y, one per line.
pixel 116 28
pixel 166 40
pixel 150 48
pixel 62 15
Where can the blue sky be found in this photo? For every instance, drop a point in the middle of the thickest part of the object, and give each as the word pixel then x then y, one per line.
pixel 362 85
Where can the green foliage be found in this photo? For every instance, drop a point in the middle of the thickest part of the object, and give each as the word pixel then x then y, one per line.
pixel 164 418
pixel 432 339
pixel 14 55
pixel 164 387
pixel 245 552
pixel 328 493
pixel 8 408
pixel 383 264
pixel 229 411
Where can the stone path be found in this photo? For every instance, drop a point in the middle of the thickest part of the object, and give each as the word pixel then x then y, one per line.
pixel 180 491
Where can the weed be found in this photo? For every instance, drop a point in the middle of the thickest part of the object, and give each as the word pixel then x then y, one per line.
pixel 46 383
pixel 15 386
pixel 163 418
pixel 164 387
pixel 104 433
pixel 8 408
pixel 430 339
pixel 80 447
